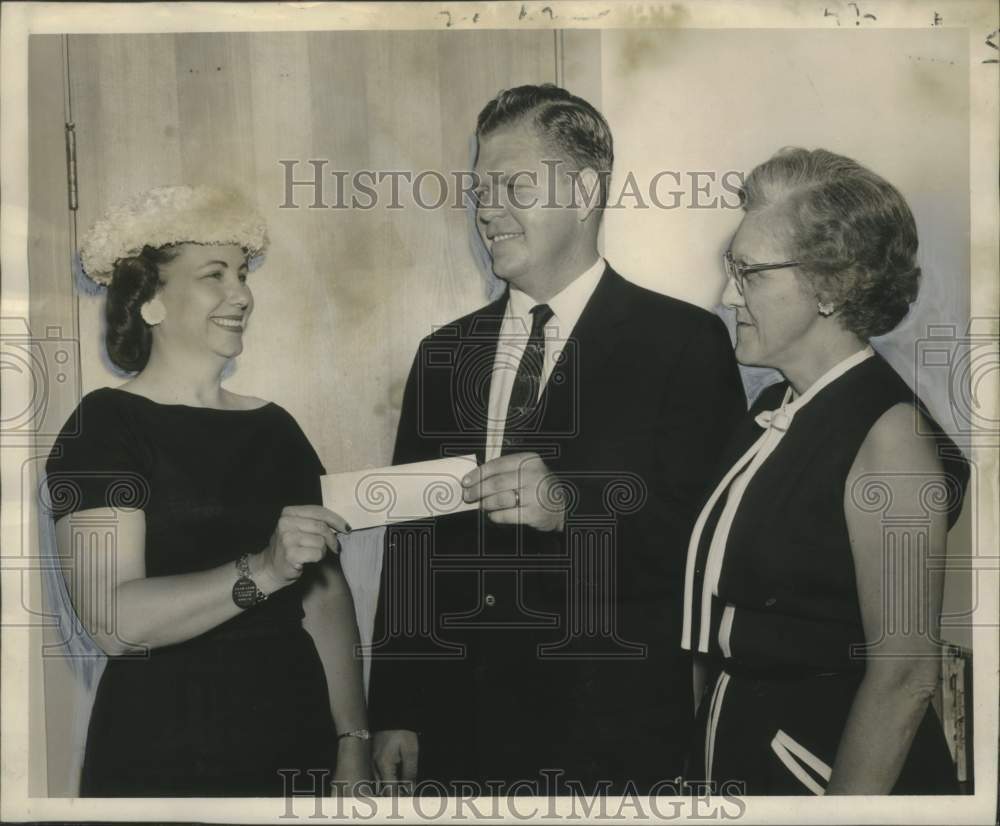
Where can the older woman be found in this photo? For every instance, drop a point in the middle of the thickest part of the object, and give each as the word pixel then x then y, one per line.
pixel 229 627
pixel 816 616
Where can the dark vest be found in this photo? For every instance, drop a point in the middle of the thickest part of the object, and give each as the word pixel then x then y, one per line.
pixel 788 568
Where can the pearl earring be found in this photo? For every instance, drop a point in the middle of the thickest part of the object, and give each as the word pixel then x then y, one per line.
pixel 825 308
pixel 153 312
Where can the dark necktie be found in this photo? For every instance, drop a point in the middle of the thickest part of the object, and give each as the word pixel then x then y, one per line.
pixel 524 393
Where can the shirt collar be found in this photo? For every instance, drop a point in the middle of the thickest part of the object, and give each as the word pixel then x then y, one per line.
pixel 567 305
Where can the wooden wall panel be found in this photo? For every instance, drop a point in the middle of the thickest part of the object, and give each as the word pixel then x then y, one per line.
pixel 124 98
pixel 345 294
pixel 52 307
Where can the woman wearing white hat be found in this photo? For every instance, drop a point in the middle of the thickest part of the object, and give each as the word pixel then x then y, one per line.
pixel 228 623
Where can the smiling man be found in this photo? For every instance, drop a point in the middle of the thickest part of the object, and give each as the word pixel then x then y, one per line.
pixel 535 642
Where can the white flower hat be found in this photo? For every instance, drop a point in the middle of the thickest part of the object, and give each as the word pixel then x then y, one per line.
pixel 171 215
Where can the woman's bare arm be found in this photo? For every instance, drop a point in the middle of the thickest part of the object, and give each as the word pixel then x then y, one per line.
pixel 900 603
pixel 330 620
pixel 125 611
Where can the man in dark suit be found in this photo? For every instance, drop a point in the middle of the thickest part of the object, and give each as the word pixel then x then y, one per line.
pixel 536 639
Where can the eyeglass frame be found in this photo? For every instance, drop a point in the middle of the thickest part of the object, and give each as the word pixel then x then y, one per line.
pixel 738 272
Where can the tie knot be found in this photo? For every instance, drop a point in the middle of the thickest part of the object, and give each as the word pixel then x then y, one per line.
pixel 540 315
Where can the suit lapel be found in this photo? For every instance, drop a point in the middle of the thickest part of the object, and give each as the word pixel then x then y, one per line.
pixel 588 345
pixel 478 342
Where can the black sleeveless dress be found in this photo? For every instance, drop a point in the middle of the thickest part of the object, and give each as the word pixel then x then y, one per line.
pixel 221 714
pixel 785 632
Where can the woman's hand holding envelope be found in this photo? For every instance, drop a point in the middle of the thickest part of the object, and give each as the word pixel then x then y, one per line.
pixel 304 534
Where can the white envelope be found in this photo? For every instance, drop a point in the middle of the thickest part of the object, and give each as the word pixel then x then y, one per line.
pixel 399 493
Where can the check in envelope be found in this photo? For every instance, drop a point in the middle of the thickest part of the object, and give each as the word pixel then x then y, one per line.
pixel 368 498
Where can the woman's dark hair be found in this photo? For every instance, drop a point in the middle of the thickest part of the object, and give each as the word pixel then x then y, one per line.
pixel 852 229
pixel 134 281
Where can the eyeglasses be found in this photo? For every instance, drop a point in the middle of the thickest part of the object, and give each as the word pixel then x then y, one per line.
pixel 738 272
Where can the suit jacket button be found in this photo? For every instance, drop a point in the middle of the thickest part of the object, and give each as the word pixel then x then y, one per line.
pixel 490 600
pixel 769 602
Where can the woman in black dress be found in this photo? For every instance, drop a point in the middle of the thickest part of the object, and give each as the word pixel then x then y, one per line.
pixel 218 596
pixel 808 591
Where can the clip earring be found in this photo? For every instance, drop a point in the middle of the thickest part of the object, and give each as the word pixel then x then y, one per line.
pixel 153 312
pixel 825 308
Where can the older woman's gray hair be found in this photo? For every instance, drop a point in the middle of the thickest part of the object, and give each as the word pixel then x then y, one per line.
pixel 851 229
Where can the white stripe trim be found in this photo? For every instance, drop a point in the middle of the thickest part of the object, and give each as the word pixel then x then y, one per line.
pixel 788 749
pixel 714 713
pixel 708 728
pixel 726 630
pixel 717 550
pixel 696 541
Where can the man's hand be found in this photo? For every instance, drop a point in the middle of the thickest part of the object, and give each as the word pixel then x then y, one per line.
pixel 517 489
pixel 395 754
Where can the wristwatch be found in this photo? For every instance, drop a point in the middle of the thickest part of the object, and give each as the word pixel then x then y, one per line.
pixel 246 594
pixel 360 733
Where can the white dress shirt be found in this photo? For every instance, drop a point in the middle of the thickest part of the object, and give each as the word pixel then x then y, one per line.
pixel 567 307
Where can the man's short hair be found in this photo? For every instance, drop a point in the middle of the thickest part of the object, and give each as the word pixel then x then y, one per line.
pixel 569 125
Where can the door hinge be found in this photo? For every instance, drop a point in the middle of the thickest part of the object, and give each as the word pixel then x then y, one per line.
pixel 71 166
